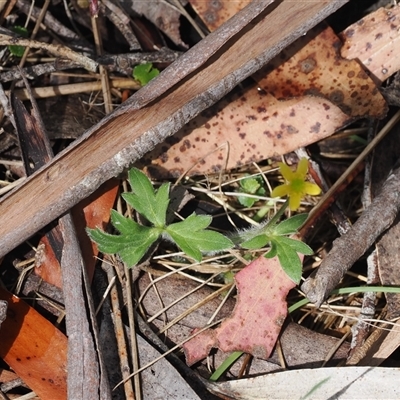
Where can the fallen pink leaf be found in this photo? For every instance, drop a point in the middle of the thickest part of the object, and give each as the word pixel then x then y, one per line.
pixel 197 349
pixel 258 316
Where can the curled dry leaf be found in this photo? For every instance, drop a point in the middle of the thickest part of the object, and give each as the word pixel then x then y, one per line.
pixel 241 129
pixel 257 318
pixel 313 66
pixel 374 41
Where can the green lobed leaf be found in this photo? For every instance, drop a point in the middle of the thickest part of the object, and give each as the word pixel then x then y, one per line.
pixel 289 261
pixel 124 225
pixel 106 243
pixel 131 247
pixel 162 202
pixel 250 185
pixel 144 73
pixel 297 245
pixel 132 254
pixel 192 238
pixel 257 242
pixel 16 50
pixel 273 252
pixel 290 225
pixel 145 200
pixel 192 223
pixel 246 201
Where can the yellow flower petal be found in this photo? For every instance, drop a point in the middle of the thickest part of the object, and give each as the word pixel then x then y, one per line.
pixel 280 191
pixel 286 172
pixel 302 168
pixel 294 201
pixel 311 188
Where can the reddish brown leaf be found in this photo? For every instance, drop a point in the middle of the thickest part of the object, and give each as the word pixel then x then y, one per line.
pixel 374 40
pixel 34 349
pixel 92 212
pixel 253 126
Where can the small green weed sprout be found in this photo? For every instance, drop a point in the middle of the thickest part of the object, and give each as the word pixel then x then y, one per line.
pixel 144 73
pixel 190 235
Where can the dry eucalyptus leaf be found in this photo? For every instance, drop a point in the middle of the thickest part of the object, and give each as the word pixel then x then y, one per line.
pixel 313 66
pixel 215 13
pixel 374 41
pixel 244 128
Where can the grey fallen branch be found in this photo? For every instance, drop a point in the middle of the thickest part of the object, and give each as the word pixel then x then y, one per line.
pixel 40 69
pixel 347 249
pixel 124 62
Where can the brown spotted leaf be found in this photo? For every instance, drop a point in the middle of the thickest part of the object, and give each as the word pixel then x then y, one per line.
pixel 374 41
pixel 214 13
pixel 322 93
pixel 243 128
pixel 313 66
pixel 258 316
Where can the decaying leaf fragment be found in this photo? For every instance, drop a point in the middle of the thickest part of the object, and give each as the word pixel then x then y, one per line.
pixel 374 41
pixel 258 315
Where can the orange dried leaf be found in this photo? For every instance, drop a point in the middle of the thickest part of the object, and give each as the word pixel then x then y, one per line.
pixel 34 348
pixel 92 212
pixel 374 41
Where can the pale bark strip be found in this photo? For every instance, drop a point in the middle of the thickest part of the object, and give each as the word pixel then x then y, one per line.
pixel 123 137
